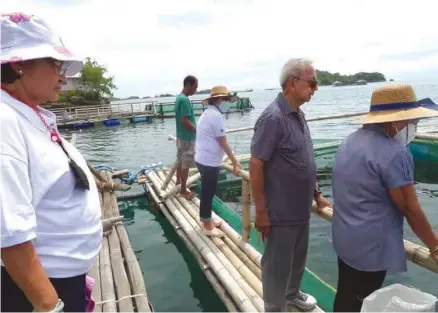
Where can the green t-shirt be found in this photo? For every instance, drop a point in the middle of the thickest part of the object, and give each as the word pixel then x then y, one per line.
pixel 183 107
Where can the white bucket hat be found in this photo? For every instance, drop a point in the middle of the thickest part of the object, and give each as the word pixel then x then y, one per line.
pixel 27 37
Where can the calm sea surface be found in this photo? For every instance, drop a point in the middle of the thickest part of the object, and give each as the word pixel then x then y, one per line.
pixel 173 278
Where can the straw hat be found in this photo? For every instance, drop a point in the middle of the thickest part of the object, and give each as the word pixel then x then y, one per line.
pixel 217 91
pixel 397 102
pixel 27 37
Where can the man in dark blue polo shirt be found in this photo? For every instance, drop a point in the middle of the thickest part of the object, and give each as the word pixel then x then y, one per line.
pixel 283 183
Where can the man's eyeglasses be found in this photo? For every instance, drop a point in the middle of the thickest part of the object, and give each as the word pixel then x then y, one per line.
pixel 313 83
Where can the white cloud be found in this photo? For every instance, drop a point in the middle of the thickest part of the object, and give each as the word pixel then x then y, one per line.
pixel 149 46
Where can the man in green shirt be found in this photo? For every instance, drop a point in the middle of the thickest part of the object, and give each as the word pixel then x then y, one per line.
pixel 185 133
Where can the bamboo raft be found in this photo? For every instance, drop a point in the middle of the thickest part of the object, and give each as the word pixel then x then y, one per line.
pixel 119 285
pixel 231 264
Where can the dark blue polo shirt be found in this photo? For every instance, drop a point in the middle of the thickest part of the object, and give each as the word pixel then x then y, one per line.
pixel 282 139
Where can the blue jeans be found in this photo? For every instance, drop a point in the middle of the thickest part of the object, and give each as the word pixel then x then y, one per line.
pixel 209 178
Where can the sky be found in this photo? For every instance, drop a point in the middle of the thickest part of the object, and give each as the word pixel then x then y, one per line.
pixel 150 46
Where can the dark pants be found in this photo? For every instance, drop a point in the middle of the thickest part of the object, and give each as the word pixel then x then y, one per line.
pixel 70 290
pixel 209 178
pixel 354 286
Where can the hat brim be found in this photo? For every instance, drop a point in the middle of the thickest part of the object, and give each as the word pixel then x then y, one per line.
pixel 73 63
pixel 398 115
pixel 224 95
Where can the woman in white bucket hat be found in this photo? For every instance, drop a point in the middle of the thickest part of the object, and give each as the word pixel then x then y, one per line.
pixel 373 191
pixel 51 231
pixel 211 144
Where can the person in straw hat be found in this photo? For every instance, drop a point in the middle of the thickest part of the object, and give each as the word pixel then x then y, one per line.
pixel 373 191
pixel 51 230
pixel 211 143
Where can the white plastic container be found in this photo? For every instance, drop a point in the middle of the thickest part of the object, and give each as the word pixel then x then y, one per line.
pixel 399 298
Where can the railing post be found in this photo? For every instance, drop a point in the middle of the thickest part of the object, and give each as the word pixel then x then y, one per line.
pixel 246 209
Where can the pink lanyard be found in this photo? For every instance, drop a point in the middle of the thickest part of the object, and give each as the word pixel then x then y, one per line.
pixel 54 136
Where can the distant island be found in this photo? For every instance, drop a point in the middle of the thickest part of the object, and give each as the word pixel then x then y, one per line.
pixel 200 92
pixel 326 78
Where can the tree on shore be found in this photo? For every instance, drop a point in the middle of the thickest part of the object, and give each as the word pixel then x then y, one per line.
pixel 94 81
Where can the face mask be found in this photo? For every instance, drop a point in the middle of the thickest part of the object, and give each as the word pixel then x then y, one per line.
pixel 223 107
pixel 406 135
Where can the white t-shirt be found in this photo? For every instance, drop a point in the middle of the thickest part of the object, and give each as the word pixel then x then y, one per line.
pixel 211 125
pixel 39 199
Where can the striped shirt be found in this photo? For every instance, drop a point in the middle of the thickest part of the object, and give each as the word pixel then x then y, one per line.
pixel 282 140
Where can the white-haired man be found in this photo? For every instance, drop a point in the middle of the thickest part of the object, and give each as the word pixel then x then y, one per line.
pixel 283 183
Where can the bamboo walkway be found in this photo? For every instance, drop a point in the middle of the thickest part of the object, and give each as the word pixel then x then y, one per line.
pixel 230 263
pixel 119 284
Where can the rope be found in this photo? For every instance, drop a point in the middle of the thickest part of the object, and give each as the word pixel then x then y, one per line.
pixel 122 298
pixel 132 175
pixel 104 167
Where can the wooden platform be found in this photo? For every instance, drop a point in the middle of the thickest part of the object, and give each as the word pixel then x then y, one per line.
pixel 230 263
pixel 119 285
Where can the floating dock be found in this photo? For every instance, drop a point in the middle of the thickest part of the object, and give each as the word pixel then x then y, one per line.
pixel 231 264
pixel 114 114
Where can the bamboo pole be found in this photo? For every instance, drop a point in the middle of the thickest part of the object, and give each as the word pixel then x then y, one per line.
pixel 132 273
pixel 233 288
pixel 247 248
pixel 177 188
pixel 107 280
pixel 170 174
pixel 131 196
pixel 121 283
pixel 173 169
pixel 236 243
pixel 320 118
pixel 120 173
pixel 426 136
pixel 246 279
pixel 415 253
pixel 108 223
pixel 246 209
pixel 96 294
pixel 228 260
pixel 211 277
pixel 235 265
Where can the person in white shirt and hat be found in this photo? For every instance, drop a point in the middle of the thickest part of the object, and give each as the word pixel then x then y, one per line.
pixel 51 230
pixel 211 143
pixel 374 191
